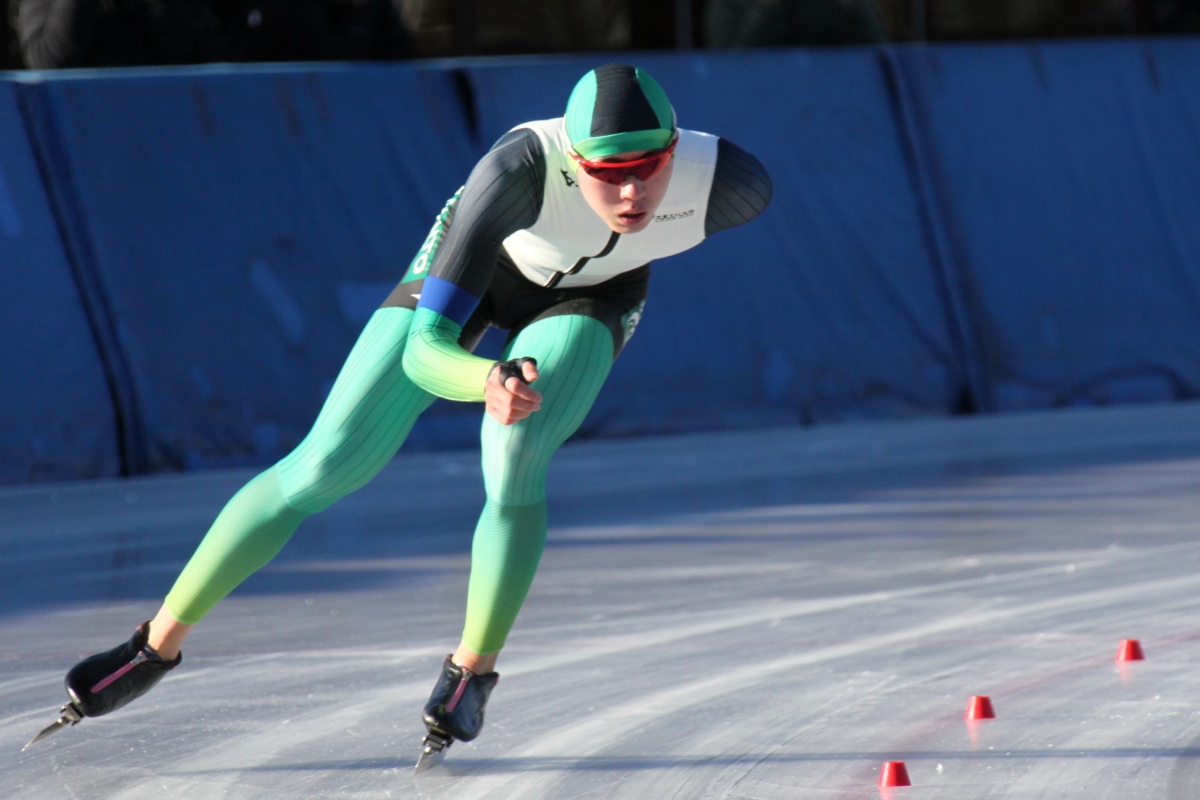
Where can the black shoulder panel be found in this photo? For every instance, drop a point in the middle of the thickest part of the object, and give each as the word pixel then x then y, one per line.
pixel 741 189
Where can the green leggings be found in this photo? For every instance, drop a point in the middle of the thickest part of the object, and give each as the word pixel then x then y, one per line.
pixel 366 418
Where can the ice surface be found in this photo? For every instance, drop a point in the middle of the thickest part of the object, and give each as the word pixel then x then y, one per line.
pixel 747 616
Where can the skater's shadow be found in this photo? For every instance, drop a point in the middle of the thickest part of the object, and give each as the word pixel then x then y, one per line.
pixel 508 765
pixel 465 766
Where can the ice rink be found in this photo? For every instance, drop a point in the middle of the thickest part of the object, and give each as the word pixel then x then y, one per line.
pixel 765 615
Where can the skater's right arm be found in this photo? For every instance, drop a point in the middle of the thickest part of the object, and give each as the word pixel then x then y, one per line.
pixel 503 195
pixel 508 398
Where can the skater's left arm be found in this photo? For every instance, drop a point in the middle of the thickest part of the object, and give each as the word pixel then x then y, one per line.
pixel 741 189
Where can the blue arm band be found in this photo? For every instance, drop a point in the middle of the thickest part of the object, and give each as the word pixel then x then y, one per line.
pixel 448 299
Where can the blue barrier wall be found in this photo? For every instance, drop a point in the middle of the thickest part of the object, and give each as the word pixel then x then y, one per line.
pixel 954 229
pixel 1066 179
pixel 57 419
pixel 239 228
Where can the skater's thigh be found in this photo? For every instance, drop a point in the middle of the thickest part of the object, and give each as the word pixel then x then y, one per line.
pixel 574 355
pixel 369 412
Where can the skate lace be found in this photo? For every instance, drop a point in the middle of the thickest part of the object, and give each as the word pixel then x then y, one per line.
pixel 140 658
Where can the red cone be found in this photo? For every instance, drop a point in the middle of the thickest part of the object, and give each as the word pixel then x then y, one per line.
pixel 894 773
pixel 1130 650
pixel 980 707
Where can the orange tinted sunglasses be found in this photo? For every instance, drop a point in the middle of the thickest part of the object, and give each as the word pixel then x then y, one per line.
pixel 617 172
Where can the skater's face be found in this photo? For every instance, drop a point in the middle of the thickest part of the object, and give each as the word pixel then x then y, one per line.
pixel 623 200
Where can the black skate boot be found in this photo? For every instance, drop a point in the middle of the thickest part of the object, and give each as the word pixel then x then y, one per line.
pixel 455 709
pixel 107 681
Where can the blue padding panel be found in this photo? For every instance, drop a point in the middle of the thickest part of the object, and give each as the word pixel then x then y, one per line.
pixel 993 227
pixel 825 308
pixel 241 226
pixel 56 417
pixel 1067 178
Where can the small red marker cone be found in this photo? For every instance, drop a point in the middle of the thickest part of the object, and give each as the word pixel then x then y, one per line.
pixel 1130 650
pixel 980 707
pixel 894 773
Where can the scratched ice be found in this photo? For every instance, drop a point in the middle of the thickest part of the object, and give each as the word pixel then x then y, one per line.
pixel 764 615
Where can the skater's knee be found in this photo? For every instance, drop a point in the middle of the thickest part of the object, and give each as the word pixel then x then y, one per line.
pixel 301 479
pixel 516 487
pixel 313 478
pixel 515 468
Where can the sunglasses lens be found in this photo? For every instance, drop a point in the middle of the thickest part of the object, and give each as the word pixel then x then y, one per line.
pixel 616 174
pixel 648 170
pixel 613 175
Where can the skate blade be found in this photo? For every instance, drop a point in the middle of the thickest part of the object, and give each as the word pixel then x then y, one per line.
pixel 70 716
pixel 433 751
pixel 428 760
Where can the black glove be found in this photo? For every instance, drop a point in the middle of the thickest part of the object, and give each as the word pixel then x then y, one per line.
pixel 514 369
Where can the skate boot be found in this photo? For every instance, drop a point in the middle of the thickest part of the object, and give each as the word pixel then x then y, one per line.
pixel 455 709
pixel 107 681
